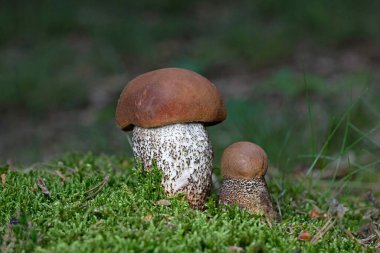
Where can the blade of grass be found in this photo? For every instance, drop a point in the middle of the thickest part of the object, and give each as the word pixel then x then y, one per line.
pixel 309 112
pixel 325 157
pixel 346 179
pixel 129 140
pixel 331 135
pixel 365 135
pixel 371 108
pixel 323 230
pixel 286 140
pixel 344 141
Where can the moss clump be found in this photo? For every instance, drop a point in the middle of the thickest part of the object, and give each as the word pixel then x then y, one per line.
pixel 104 204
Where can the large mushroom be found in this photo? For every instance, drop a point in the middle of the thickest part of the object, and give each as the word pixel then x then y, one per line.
pixel 243 168
pixel 168 110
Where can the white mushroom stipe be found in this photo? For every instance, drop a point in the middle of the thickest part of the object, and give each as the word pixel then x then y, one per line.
pixel 184 154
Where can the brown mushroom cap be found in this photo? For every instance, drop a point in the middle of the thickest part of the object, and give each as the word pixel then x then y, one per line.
pixel 168 96
pixel 244 160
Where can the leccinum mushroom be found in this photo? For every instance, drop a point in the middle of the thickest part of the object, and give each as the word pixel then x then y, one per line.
pixel 243 168
pixel 168 110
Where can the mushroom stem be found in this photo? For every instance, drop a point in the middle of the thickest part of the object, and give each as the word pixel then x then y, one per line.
pixel 183 153
pixel 250 194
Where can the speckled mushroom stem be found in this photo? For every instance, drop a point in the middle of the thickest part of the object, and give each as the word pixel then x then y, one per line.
pixel 184 154
pixel 251 194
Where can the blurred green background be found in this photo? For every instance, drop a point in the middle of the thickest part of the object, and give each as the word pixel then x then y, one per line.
pixel 300 78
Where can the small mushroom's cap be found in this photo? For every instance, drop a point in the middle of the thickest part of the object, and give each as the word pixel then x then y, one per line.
pixel 244 160
pixel 168 96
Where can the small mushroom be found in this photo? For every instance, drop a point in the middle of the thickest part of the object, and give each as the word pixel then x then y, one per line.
pixel 168 110
pixel 243 168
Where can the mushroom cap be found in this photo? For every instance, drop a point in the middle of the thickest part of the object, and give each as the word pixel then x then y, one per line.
pixel 244 160
pixel 168 96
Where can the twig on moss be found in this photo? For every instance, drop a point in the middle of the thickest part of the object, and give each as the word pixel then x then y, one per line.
pixel 349 234
pixel 96 189
pixel 63 177
pixel 323 231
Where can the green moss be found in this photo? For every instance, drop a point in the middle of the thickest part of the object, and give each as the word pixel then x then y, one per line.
pixel 106 204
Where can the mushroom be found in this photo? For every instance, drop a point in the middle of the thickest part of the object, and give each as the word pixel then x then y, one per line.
pixel 243 168
pixel 168 110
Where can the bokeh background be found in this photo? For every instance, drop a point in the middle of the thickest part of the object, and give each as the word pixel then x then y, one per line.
pixel 300 78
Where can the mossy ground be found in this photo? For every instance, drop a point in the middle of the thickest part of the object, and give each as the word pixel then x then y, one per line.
pixel 87 203
pixel 64 63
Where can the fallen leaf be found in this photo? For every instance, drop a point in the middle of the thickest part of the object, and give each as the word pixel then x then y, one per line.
pixel 41 184
pixel 315 214
pixel 164 202
pixel 304 236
